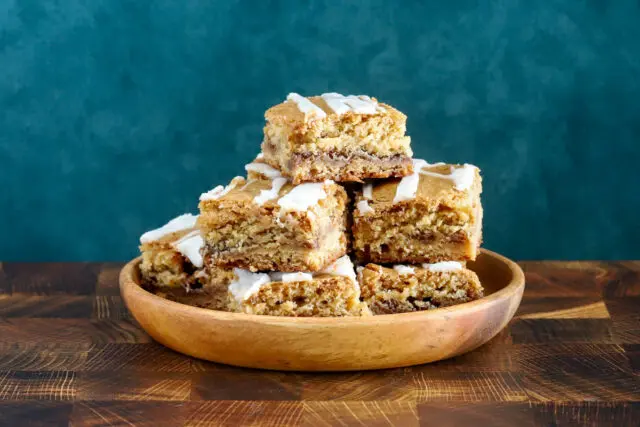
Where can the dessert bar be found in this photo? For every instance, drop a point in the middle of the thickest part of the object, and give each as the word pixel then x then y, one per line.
pixel 171 259
pixel 268 224
pixel 432 215
pixel 343 138
pixel 333 291
pixel 406 288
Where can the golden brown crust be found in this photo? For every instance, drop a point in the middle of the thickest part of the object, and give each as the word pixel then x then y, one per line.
pixel 240 233
pixel 386 291
pixel 372 140
pixel 440 224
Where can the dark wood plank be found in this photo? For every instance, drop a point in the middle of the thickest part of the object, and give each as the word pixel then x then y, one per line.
pixel 625 315
pixel 35 413
pixel 577 372
pixel 122 413
pixel 566 279
pixel 139 386
pixel 563 308
pixel 38 385
pixel 625 282
pixel 151 357
pixel 618 414
pixel 632 352
pixel 530 414
pixel 496 355
pixel 52 278
pixel 469 386
pixel 5 286
pixel 241 413
pixel 229 383
pixel 107 282
pixel 392 384
pixel 531 331
pixel 370 413
pixel 498 414
pixel 59 306
pixel 109 307
pixel 47 356
pixel 80 331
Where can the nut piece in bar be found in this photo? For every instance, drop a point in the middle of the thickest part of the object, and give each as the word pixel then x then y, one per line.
pixel 342 138
pixel 433 215
pixel 406 288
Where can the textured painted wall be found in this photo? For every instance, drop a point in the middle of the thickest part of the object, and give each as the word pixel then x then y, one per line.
pixel 115 115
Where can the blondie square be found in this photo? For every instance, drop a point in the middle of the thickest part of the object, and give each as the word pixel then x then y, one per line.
pixel 343 138
pixel 433 215
pixel 269 224
pixel 404 288
pixel 333 291
pixel 171 259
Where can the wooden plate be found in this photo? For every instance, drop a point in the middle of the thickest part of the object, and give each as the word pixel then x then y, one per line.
pixel 331 344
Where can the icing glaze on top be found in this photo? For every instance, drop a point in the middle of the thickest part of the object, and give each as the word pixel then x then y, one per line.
pixel 306 107
pixel 247 283
pixel 408 186
pixel 342 267
pixel 291 277
pixel 189 246
pixel 303 196
pixel 367 191
pixel 462 177
pixel 272 193
pixel 263 169
pixel 218 191
pixel 179 223
pixel 404 270
pixel 444 266
pixel 360 104
pixel 363 207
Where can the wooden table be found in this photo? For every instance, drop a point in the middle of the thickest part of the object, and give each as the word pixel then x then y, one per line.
pixel 70 353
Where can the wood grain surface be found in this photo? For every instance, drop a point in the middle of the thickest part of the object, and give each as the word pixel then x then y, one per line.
pixel 70 354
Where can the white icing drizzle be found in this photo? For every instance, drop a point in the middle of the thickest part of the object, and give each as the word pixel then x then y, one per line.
pixel 408 186
pixel 303 196
pixel 363 207
pixel 190 246
pixel 291 277
pixel 341 104
pixel 218 191
pixel 307 107
pixel 263 169
pixel 272 193
pixel 367 191
pixel 260 156
pixel 246 283
pixel 404 270
pixel 342 267
pixel 179 223
pixel 444 266
pixel 462 177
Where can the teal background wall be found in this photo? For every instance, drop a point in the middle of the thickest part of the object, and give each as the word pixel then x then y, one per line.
pixel 115 115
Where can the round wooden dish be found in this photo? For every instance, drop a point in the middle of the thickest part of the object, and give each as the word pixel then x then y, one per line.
pixel 331 344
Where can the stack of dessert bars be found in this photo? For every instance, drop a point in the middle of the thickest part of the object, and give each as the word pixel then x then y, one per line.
pixel 333 218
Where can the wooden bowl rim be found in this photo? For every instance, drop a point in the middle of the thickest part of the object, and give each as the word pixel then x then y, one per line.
pixel 130 286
